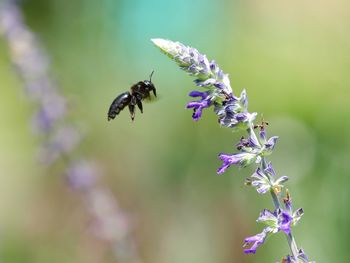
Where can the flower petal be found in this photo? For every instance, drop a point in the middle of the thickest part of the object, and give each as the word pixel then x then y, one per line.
pixel 257 241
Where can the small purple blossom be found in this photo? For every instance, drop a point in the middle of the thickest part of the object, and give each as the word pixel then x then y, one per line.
pixel 195 94
pixel 256 240
pixel 301 258
pixel 199 105
pixel 270 144
pixel 63 141
pixel 264 180
pixel 239 159
pixel 247 144
pixel 260 181
pixel 270 219
pixel 269 170
pixel 262 134
pixel 52 109
pixel 233 112
pixel 252 147
pixel 274 221
pixel 285 221
pixel 297 214
pixel 82 175
pixel 205 83
pixel 279 220
pixel 234 120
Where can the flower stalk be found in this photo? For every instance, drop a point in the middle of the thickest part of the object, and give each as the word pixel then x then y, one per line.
pixel 253 148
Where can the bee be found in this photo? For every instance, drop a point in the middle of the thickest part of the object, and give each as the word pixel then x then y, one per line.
pixel 137 93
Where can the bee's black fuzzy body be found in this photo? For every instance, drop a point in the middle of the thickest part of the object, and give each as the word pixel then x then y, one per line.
pixel 137 93
pixel 118 104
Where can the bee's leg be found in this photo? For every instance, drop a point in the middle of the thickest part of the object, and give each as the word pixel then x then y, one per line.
pixel 132 111
pixel 137 100
pixel 139 104
pixel 132 107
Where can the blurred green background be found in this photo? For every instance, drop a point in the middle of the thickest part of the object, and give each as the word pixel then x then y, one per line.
pixel 293 57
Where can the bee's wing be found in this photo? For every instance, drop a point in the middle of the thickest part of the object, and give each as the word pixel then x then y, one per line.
pixel 152 98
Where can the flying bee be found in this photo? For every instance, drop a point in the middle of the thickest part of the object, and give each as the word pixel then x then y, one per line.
pixel 137 93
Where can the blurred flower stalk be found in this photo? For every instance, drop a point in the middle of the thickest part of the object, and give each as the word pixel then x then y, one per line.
pixel 252 149
pixel 60 138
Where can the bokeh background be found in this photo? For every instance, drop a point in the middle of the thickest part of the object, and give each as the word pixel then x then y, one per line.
pixel 293 57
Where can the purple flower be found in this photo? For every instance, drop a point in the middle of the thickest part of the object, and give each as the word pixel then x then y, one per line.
pixel 239 120
pixel 270 219
pixel 302 257
pixel 276 221
pixel 264 181
pixel 270 144
pixel 296 215
pixel 257 241
pixel 81 175
pixel 269 170
pixel 238 159
pixel 260 181
pixel 199 105
pixel 195 94
pixel 63 141
pixel 285 221
pixel 52 109
pixel 262 134
pixel 248 145
pixel 233 112
pixel 205 83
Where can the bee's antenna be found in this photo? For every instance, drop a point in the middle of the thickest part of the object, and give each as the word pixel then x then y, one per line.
pixel 150 76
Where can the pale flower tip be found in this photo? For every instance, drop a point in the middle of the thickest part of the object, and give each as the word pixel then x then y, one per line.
pixel 155 40
pixel 160 42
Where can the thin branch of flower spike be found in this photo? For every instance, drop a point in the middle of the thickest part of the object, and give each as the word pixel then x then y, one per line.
pixel 110 222
pixel 254 148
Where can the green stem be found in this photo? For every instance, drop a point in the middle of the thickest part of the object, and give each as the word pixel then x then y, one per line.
pixel 275 200
pixel 293 246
